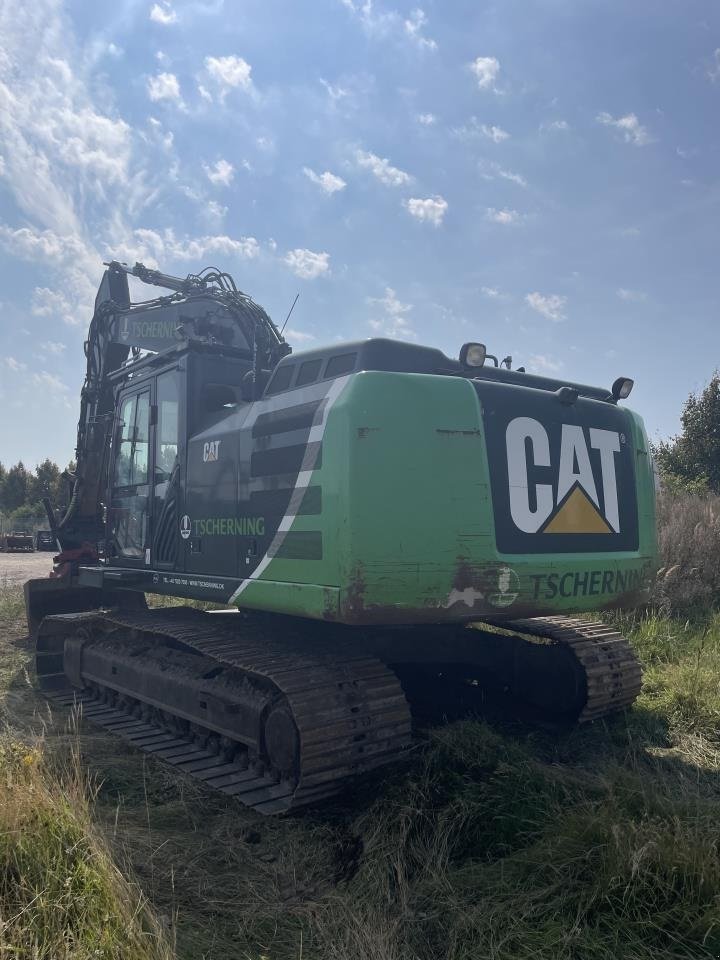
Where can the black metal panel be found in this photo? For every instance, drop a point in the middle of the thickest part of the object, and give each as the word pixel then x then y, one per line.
pixel 608 488
pixel 275 502
pixel 268 463
pixel 301 545
pixel 289 418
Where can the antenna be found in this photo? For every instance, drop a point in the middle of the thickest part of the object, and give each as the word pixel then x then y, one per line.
pixel 297 297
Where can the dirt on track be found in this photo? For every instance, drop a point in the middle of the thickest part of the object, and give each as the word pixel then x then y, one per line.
pixel 16 568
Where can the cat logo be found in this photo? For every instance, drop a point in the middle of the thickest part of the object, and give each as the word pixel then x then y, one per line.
pixel 211 451
pixel 580 499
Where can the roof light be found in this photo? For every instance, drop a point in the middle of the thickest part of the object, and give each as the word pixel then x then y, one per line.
pixel 473 354
pixel 621 388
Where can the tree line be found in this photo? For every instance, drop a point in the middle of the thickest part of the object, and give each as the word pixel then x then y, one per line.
pixel 691 460
pixel 22 491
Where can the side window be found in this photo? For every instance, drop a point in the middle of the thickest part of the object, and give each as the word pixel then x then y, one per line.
pixel 166 433
pixel 309 372
pixel 281 379
pixel 343 363
pixel 141 447
pixel 124 452
pixel 131 464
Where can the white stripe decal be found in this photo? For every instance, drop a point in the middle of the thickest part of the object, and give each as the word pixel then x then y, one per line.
pixel 307 467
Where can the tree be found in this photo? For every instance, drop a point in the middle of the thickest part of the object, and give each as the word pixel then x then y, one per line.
pixel 692 459
pixel 16 487
pixel 46 482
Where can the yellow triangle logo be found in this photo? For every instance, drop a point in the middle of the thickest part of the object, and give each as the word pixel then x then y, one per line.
pixel 577 514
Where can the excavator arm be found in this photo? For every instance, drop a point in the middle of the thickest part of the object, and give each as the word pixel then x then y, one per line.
pixel 205 307
pixel 201 307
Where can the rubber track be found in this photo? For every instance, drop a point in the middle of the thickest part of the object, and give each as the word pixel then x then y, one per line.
pixel 612 671
pixel 340 736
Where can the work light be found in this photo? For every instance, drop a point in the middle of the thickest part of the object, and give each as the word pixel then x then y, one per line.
pixel 622 387
pixel 473 354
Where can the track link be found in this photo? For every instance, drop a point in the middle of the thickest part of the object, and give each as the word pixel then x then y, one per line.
pixel 612 672
pixel 349 710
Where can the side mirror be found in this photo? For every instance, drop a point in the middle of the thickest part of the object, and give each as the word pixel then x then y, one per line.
pixel 473 354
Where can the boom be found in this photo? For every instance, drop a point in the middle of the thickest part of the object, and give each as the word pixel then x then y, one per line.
pixel 205 307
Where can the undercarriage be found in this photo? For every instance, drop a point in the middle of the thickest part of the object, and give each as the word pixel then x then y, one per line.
pixel 282 713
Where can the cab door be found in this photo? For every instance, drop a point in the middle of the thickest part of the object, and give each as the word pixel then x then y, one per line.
pixel 165 550
pixel 129 514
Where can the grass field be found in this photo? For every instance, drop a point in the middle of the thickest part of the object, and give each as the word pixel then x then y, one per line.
pixel 496 843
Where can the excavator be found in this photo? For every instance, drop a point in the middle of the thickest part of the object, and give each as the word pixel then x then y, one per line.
pixel 347 532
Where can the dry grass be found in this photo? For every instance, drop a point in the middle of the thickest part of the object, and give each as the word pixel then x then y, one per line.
pixel 689 540
pixel 61 894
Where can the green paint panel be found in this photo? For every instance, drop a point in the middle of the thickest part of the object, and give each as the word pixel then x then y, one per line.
pixel 408 525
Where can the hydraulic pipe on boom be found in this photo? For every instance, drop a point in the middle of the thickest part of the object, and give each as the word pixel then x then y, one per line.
pixel 108 347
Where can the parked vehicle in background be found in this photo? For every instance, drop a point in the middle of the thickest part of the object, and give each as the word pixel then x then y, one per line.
pixel 45 540
pixel 16 541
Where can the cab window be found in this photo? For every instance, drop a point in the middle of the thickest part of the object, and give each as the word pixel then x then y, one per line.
pixel 131 464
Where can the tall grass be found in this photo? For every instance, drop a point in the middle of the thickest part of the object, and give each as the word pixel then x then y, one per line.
pixel 61 895
pixel 689 542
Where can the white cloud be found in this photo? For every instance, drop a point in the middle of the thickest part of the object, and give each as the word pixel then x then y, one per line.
pixel 413 28
pixel 204 93
pixel 551 306
pixel 221 172
pixel 52 346
pixel 53 303
pixel 229 73
pixel 426 119
pixel 431 209
pixel 631 296
pixel 163 14
pixel 496 134
pixel 393 321
pixel 154 248
pixel 164 86
pixel 328 182
pixel 298 336
pixel 31 244
pixel 506 217
pixel 373 21
pixel 216 212
pixel 560 125
pixel 335 93
pixel 490 170
pixel 165 138
pixel 630 127
pixel 306 264
pixel 17 366
pixel 540 363
pixel 473 129
pixel 492 293
pixel 47 381
pixel 486 69
pixel 382 169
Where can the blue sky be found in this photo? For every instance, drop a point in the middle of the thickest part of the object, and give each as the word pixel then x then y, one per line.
pixel 541 175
